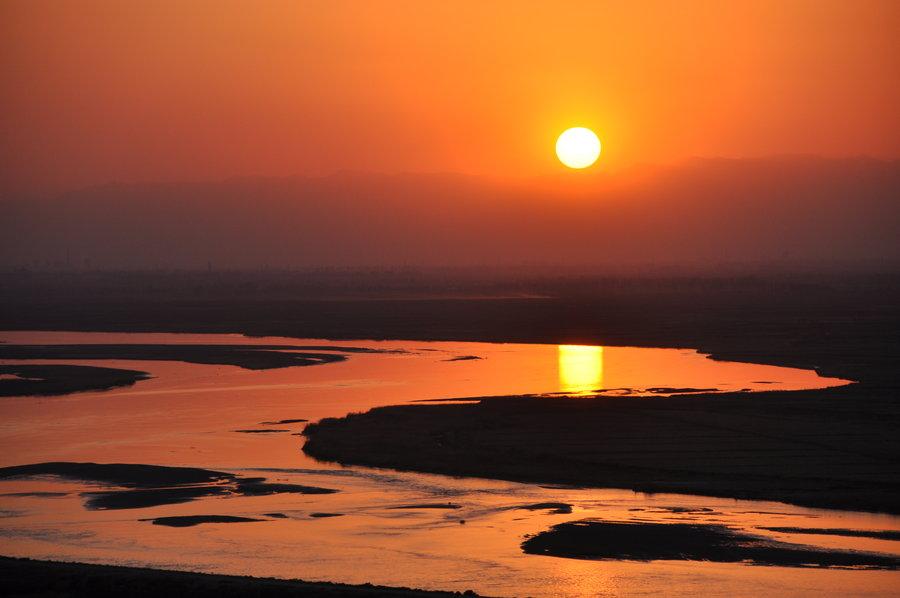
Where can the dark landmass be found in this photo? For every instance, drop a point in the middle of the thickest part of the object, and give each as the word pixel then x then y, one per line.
pixel 842 325
pixel 192 520
pixel 137 499
pixel 592 539
pixel 654 390
pixel 154 485
pixel 430 505
pixel 283 421
pixel 261 431
pixel 834 448
pixel 705 510
pixel 47 579
pixel 667 390
pixel 853 533
pixel 321 515
pixel 36 494
pixel 557 508
pixel 250 357
pixel 831 448
pixel 464 358
pixel 48 380
pixel 154 497
pixel 343 349
pixel 264 489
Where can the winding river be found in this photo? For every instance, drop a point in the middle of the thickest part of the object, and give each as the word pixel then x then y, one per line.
pixel 381 526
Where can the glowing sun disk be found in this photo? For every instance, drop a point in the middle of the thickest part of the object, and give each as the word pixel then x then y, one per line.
pixel 578 147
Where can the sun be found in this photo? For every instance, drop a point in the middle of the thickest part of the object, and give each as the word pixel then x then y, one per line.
pixel 578 147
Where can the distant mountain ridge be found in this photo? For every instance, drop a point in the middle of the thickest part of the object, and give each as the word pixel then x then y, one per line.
pixel 704 211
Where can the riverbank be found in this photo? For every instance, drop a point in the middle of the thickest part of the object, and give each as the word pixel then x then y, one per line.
pixel 834 448
pixel 843 325
pixel 49 579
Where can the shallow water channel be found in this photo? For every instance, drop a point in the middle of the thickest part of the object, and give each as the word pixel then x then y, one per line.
pixel 381 526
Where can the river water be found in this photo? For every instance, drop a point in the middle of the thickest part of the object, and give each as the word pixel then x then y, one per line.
pixel 188 415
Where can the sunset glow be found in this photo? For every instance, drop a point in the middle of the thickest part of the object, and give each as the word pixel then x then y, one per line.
pixel 477 88
pixel 203 203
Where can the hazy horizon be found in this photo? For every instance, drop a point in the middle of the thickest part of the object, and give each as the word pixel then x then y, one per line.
pixel 702 214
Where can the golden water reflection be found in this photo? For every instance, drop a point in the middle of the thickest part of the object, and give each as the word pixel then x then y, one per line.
pixel 580 368
pixel 187 415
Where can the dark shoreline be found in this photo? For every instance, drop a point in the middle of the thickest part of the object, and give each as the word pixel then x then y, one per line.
pixel 250 357
pixel 54 579
pixel 817 449
pixel 637 541
pixel 841 325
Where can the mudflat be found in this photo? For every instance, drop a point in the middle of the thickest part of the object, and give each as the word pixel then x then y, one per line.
pixel 590 539
pixel 49 380
pixel 834 448
pixel 153 485
pixel 194 520
pixel 129 475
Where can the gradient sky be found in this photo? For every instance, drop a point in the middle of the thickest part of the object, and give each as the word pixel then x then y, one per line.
pixel 98 91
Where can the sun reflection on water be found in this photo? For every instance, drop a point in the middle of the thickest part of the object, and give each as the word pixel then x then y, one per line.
pixel 580 368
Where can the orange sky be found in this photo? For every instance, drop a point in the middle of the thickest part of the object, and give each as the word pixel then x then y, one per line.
pixel 96 91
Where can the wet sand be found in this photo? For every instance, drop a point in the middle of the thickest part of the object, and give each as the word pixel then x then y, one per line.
pixel 25 577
